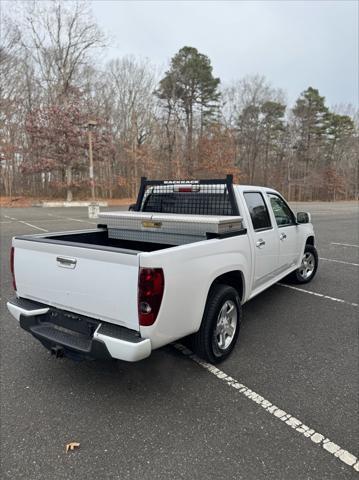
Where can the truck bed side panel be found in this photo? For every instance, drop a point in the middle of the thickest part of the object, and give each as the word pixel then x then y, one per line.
pixel 189 271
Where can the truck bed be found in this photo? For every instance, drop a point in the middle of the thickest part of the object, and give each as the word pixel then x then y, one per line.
pixel 84 272
pixel 96 239
pixel 88 273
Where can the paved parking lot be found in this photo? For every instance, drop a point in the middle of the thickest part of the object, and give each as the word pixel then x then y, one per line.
pixel 171 417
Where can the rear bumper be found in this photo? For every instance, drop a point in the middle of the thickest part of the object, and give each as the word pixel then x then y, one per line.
pixel 75 336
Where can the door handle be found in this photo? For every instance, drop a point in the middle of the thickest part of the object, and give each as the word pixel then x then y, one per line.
pixel 66 262
pixel 260 243
pixel 282 236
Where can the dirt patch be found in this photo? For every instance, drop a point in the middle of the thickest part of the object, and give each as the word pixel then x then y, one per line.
pixel 19 202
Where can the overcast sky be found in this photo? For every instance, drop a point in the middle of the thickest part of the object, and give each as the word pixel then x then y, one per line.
pixel 294 44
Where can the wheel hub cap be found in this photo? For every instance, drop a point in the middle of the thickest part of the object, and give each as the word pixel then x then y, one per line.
pixel 307 266
pixel 226 325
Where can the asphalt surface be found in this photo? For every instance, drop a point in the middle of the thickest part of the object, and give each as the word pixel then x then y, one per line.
pixel 168 418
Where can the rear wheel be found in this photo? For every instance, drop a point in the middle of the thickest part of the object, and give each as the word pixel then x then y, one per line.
pixel 308 268
pixel 219 330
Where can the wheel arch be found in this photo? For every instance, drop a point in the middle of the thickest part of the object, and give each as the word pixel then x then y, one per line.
pixel 310 240
pixel 201 341
pixel 233 278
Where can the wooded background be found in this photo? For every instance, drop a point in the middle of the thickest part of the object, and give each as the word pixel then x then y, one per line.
pixel 182 123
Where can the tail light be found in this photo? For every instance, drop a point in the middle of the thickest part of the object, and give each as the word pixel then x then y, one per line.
pixel 151 283
pixel 12 260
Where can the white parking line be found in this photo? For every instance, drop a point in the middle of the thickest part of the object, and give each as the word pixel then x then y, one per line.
pixel 33 226
pixel 345 244
pixel 82 221
pixel 28 224
pixel 73 219
pixel 287 419
pixel 339 261
pixel 316 294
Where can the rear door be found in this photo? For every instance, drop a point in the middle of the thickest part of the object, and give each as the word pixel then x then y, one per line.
pixel 287 232
pixel 93 282
pixel 264 237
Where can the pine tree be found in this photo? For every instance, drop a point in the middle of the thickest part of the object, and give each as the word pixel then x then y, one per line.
pixel 311 118
pixel 272 124
pixel 189 84
pixel 311 113
pixel 339 129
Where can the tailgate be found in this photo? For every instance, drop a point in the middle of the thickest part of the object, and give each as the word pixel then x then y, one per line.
pixel 96 283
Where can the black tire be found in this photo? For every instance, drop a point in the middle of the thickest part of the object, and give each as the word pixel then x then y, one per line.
pixel 203 342
pixel 298 275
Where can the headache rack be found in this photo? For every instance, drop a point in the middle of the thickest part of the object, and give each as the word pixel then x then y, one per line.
pixel 176 212
pixel 192 197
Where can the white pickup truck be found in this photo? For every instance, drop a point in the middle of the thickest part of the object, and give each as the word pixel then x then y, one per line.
pixel 181 264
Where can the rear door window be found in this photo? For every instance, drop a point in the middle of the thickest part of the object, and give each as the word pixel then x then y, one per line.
pixel 258 210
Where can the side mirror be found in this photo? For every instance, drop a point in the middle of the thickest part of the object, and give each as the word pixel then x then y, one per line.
pixel 132 207
pixel 303 217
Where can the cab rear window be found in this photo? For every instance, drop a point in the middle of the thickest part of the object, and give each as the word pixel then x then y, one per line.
pixel 192 203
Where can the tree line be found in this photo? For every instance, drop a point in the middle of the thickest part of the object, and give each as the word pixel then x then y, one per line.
pixel 182 123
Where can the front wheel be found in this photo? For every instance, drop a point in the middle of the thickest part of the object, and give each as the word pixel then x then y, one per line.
pixel 220 325
pixel 308 268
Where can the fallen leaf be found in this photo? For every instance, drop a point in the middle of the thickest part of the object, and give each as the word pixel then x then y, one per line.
pixel 72 446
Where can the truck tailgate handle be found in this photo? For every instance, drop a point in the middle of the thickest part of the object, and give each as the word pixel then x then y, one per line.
pixel 260 243
pixel 66 262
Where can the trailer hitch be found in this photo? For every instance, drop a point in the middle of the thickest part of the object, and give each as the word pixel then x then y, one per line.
pixel 57 351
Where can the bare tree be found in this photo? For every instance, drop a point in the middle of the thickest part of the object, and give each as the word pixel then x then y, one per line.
pixel 12 103
pixel 59 37
pixel 130 86
pixel 246 109
pixel 251 90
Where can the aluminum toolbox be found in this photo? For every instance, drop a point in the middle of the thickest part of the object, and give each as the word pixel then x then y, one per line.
pixel 173 229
